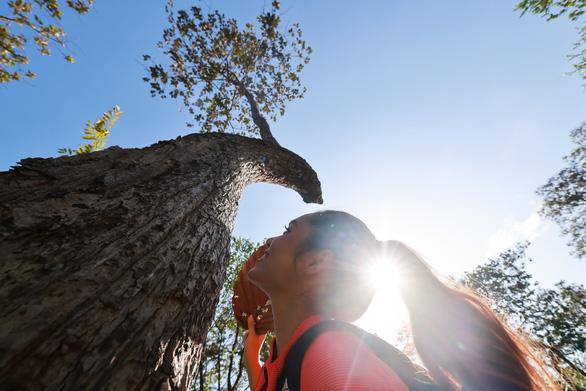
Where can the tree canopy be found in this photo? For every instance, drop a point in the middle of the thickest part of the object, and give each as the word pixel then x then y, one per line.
pixel 230 77
pixel 565 194
pixel 574 10
pixel 38 21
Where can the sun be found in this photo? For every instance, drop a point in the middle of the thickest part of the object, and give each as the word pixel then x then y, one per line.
pixel 386 313
pixel 383 275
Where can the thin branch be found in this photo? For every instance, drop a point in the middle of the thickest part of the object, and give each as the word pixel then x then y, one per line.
pixel 229 116
pixel 14 54
pixel 559 354
pixel 34 27
pixel 231 362
pixel 240 364
pixel 219 370
pixel 201 376
pixel 7 19
pixel 259 120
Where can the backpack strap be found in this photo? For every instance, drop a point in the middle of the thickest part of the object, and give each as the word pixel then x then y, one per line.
pixel 414 377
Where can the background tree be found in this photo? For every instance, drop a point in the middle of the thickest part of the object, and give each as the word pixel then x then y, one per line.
pixel 554 317
pixel 230 77
pixel 113 261
pixel 222 366
pixel 573 10
pixel 564 195
pixel 38 21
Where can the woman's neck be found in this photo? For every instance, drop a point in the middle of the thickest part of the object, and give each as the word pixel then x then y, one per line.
pixel 287 315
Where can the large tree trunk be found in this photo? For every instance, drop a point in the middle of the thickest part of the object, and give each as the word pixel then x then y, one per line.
pixel 112 262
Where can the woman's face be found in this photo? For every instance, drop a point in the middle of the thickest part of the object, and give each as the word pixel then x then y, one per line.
pixel 278 269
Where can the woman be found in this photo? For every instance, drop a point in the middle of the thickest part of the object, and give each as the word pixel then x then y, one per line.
pixel 317 270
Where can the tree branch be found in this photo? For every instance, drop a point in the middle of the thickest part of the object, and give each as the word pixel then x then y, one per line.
pixel 9 50
pixel 201 376
pixel 257 118
pixel 240 366
pixel 231 362
pixel 562 356
pixel 34 27
pixel 7 19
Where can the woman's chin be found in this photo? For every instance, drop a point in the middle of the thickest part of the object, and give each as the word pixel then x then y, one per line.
pixel 259 277
pixel 254 274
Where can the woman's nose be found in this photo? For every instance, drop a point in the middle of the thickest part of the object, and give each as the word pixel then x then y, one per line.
pixel 269 241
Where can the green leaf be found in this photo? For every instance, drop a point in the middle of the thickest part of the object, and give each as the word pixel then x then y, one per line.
pixel 97 131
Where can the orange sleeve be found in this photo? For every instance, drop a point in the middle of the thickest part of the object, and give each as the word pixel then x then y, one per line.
pixel 339 360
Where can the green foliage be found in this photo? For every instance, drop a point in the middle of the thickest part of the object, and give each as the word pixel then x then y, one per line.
pixel 214 62
pixel 551 9
pixel 505 281
pixel 97 132
pixel 554 317
pixel 222 366
pixel 37 20
pixel 574 10
pixel 565 194
pixel 562 317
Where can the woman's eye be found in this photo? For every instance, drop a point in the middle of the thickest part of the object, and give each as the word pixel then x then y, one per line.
pixel 287 229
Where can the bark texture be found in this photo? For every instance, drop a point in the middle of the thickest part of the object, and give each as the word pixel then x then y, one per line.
pixel 112 262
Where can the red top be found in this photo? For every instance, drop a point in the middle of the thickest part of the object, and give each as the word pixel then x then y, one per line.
pixel 336 360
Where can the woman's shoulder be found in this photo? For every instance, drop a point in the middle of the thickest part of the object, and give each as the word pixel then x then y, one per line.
pixel 339 360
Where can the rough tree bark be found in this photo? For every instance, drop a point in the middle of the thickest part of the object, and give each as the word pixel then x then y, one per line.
pixel 112 262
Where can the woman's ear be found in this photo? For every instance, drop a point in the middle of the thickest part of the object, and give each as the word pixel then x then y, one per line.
pixel 318 261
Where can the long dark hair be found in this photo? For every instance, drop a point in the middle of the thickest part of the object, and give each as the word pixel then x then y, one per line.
pixel 463 344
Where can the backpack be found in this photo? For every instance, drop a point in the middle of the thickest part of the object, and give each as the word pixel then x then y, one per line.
pixel 414 377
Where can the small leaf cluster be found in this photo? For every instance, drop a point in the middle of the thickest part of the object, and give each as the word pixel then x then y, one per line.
pixel 574 10
pixel 212 60
pixel 38 21
pixel 96 132
pixel 564 194
pixel 551 9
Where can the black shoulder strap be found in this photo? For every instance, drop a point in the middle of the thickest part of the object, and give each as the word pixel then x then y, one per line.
pixel 414 377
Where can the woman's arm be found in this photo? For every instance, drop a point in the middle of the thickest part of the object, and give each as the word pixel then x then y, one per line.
pixel 252 345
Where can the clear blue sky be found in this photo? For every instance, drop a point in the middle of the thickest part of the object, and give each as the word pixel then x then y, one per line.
pixel 433 121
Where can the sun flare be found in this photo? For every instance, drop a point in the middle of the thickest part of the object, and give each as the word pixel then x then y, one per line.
pixel 386 313
pixel 383 275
